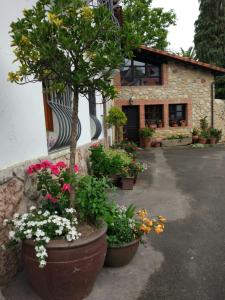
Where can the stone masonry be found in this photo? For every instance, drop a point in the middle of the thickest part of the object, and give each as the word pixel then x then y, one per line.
pixel 17 194
pixel 182 83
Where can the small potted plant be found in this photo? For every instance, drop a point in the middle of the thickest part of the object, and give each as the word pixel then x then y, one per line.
pixel 135 168
pixel 195 133
pixel 159 124
pixel 203 137
pixel 126 229
pixel 174 124
pixel 183 123
pixel 127 179
pixel 146 136
pixel 214 135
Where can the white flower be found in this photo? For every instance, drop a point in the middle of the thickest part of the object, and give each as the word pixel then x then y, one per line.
pixel 42 263
pixel 92 24
pixel 5 222
pixel 32 208
pixel 12 235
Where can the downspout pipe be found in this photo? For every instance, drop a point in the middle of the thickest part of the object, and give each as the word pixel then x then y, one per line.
pixel 212 102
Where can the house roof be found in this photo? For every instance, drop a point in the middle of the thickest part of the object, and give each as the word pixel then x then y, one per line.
pixel 211 67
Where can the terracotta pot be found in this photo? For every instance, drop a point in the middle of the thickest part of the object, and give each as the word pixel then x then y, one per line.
pixel 153 126
pixel 118 256
pixel 146 142
pixel 213 141
pixel 174 125
pixel 127 183
pixel 115 180
pixel 202 140
pixel 194 139
pixel 160 125
pixel 72 267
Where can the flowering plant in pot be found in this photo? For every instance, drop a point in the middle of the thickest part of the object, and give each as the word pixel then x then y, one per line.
pixel 54 229
pixel 195 133
pixel 126 230
pixel 129 146
pixel 146 135
pixel 135 168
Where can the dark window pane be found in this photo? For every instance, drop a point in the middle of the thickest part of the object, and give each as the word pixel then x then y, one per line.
pixel 177 112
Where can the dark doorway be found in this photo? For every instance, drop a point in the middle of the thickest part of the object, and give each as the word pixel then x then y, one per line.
pixel 131 129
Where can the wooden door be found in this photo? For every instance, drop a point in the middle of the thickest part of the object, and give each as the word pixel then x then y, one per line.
pixel 131 129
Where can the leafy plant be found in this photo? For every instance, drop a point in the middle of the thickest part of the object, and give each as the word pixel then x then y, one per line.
pixel 147 132
pixel 125 225
pixel 116 117
pixel 195 131
pixel 204 134
pixel 177 137
pixel 215 133
pixel 92 198
pixel 204 123
pixel 128 146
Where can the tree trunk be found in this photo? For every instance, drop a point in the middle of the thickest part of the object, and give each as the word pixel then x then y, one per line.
pixel 73 143
pixel 105 129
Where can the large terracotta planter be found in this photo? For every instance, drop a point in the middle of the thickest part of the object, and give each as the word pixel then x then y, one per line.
pixel 202 140
pixel 118 256
pixel 213 141
pixel 72 267
pixel 194 139
pixel 146 142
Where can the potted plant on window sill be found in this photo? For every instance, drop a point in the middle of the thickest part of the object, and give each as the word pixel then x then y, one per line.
pixel 146 136
pixel 126 230
pixel 174 124
pixel 183 123
pixel 159 124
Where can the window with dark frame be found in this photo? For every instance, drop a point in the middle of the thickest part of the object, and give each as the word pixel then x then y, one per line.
pixel 135 72
pixel 154 115
pixel 177 115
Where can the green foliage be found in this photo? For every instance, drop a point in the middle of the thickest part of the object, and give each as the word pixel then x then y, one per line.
pixel 190 52
pixel 195 131
pixel 108 162
pixel 204 134
pixel 69 44
pixel 204 123
pixel 177 137
pixel 128 146
pixel 150 23
pixel 92 198
pixel 116 117
pixel 147 132
pixel 215 133
pixel 210 37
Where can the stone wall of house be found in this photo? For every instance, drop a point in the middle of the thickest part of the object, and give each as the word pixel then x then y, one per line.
pixel 219 116
pixel 17 194
pixel 182 83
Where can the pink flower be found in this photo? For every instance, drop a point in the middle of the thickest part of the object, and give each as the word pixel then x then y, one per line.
pixel 55 170
pixel 50 198
pixel 30 169
pixel 46 164
pixel 61 164
pixel 76 168
pixel 37 167
pixel 66 187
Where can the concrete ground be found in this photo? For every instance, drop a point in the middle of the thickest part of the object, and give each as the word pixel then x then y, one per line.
pixel 187 262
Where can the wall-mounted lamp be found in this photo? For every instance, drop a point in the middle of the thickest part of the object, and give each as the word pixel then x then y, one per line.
pixel 131 101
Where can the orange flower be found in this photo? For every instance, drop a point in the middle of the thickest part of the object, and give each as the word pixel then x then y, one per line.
pixel 158 229
pixel 145 228
pixel 148 222
pixel 162 219
pixel 142 213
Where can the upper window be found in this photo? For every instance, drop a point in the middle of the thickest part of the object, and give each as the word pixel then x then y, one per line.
pixel 134 72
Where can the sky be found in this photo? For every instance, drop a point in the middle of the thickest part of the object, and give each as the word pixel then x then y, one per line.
pixel 181 35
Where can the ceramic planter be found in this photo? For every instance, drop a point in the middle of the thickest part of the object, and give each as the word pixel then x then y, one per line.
pixel 202 140
pixel 146 142
pixel 118 256
pixel 72 267
pixel 127 183
pixel 115 180
pixel 194 139
pixel 213 141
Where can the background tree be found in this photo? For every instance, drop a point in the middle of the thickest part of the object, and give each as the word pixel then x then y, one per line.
pixel 210 37
pixel 116 117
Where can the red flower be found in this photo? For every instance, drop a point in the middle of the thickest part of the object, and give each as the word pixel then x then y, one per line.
pixel 50 198
pixel 46 164
pixel 55 170
pixel 61 164
pixel 66 187
pixel 30 169
pixel 76 168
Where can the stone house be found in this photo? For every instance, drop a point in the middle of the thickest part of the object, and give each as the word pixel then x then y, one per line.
pixel 167 91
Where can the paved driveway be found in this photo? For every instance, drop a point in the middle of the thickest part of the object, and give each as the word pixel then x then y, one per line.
pixel 187 262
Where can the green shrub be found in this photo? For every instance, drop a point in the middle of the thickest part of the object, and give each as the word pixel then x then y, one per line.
pixel 215 133
pixel 147 132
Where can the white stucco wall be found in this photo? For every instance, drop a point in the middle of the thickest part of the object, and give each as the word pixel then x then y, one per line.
pixel 83 114
pixel 99 112
pixel 22 125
